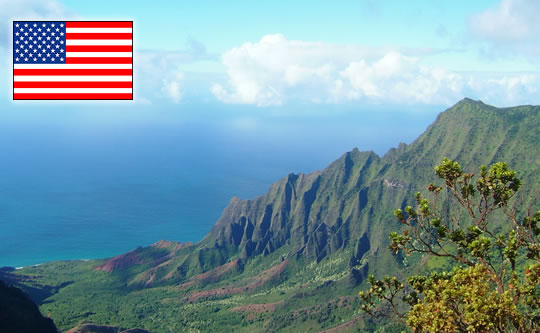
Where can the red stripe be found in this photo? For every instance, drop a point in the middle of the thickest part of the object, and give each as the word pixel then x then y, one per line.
pixel 99 35
pixel 72 96
pixel 99 48
pixel 72 84
pixel 73 72
pixel 99 60
pixel 99 24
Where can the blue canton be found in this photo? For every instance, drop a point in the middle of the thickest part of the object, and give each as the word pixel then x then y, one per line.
pixel 39 42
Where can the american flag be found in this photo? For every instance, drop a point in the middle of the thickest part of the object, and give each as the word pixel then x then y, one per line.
pixel 72 60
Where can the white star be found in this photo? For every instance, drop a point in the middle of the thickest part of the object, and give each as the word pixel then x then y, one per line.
pixel 39 38
pixel 61 24
pixel 30 29
pixel 61 59
pixel 61 42
pixel 26 33
pixel 39 55
pixel 61 34
pixel 48 46
pixel 16 42
pixel 44 59
pixel 25 59
pixel 52 33
pixel 61 50
pixel 39 46
pixel 57 55
pixel 26 42
pixel 35 25
pixel 57 38
pixel 17 51
pixel 48 37
pixel 48 29
pixel 16 34
pixel 30 38
pixel 57 29
pixel 48 54
pixel 17 25
pixel 52 25
pixel 35 33
pixel 25 50
pixel 39 29
pixel 16 59
pixel 26 25
pixel 21 29
pixel 35 59
pixel 52 59
pixel 43 25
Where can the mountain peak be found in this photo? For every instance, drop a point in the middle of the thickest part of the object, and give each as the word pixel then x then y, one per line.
pixel 469 100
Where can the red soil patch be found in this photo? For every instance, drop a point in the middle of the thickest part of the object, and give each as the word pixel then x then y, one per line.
pixel 212 275
pixel 120 262
pixel 129 259
pixel 175 245
pixel 256 282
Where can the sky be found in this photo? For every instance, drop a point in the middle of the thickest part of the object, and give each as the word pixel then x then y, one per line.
pixel 229 97
pixel 285 53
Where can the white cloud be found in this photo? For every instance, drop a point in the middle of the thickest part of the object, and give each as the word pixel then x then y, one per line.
pixel 512 24
pixel 158 76
pixel 398 78
pixel 262 73
pixel 510 20
pixel 276 70
pixel 172 89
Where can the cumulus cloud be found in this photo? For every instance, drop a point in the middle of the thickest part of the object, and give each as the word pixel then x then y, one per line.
pixel 261 73
pixel 172 89
pixel 398 78
pixel 157 76
pixel 511 23
pixel 276 70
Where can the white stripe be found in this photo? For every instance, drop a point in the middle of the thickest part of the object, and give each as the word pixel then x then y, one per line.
pixel 71 90
pixel 73 66
pixel 98 30
pixel 98 54
pixel 78 78
pixel 99 42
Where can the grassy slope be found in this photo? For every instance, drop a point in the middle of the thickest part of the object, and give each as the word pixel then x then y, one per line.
pixel 311 241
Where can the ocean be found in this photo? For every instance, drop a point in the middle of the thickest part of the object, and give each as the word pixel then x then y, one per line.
pixel 94 183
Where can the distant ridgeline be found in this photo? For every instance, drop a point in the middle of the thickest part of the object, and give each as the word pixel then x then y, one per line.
pixel 294 258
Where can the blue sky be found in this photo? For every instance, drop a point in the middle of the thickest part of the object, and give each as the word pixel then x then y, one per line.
pixel 278 53
pixel 230 96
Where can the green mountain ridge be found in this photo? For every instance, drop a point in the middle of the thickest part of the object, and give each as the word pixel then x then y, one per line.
pixel 294 258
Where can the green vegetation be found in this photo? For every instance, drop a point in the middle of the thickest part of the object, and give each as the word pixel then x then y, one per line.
pixel 495 285
pixel 291 259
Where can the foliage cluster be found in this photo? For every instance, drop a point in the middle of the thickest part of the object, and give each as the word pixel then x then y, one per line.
pixel 495 283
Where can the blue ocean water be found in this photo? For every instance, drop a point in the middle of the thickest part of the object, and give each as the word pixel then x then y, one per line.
pixel 95 183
